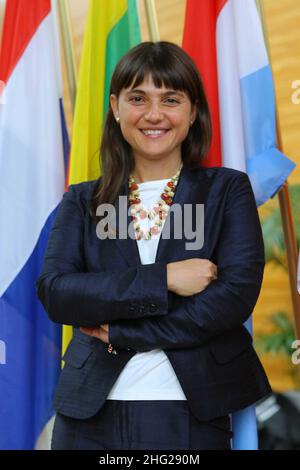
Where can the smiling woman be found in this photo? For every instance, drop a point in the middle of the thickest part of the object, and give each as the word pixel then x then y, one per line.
pixel 159 356
pixel 155 122
pixel 158 105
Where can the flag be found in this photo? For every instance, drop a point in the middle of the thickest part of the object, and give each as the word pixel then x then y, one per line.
pixel 225 39
pixel 112 29
pixel 32 179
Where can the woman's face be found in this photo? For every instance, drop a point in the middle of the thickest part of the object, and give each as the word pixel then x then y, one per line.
pixel 154 121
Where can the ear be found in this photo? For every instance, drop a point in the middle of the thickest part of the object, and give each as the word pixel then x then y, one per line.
pixel 114 104
pixel 193 113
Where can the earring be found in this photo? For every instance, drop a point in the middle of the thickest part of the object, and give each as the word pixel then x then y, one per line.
pixel 191 123
pixel 117 119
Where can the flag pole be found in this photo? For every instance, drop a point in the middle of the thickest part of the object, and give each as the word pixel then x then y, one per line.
pixel 152 22
pixel 69 58
pixel 2 8
pixel 67 40
pixel 285 206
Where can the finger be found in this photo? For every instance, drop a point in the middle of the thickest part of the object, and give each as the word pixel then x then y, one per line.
pixel 214 267
pixel 87 330
pixel 103 336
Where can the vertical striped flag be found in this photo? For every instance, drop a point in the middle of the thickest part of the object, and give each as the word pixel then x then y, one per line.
pixel 112 29
pixel 225 39
pixel 32 177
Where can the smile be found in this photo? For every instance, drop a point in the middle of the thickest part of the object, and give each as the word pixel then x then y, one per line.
pixel 154 133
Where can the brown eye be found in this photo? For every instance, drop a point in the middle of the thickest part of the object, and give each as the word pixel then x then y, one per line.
pixel 172 101
pixel 136 99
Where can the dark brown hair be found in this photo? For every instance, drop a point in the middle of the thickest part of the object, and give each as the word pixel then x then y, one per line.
pixel 169 66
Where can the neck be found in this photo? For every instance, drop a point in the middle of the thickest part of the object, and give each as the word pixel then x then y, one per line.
pixel 149 171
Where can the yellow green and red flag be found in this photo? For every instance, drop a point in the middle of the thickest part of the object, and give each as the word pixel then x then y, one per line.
pixel 112 28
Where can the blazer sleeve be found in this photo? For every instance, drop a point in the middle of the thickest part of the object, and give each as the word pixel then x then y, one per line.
pixel 226 302
pixel 75 297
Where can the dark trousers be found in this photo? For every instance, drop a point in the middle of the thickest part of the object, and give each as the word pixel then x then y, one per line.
pixel 141 425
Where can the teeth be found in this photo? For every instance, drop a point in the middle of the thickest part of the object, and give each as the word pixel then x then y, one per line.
pixel 153 131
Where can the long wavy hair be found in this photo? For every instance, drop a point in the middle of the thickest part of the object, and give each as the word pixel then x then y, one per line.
pixel 170 66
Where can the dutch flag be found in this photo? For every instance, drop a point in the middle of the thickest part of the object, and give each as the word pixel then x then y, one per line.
pixel 32 180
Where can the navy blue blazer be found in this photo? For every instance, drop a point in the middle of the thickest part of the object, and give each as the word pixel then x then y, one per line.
pixel 86 281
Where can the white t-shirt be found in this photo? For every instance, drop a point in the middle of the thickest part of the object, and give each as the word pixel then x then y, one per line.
pixel 148 375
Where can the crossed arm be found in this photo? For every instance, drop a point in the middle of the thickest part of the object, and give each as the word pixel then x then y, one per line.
pixel 73 297
pixel 226 302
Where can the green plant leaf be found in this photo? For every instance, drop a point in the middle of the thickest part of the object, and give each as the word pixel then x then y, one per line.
pixel 273 232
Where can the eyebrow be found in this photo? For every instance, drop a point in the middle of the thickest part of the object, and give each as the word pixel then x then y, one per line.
pixel 167 93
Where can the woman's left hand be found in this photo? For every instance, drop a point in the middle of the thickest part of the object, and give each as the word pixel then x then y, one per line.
pixel 100 332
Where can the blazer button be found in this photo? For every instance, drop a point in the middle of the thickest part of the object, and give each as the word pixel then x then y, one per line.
pixel 133 308
pixel 111 349
pixel 153 308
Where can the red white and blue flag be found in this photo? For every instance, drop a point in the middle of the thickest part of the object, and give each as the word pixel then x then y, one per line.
pixel 32 179
pixel 225 39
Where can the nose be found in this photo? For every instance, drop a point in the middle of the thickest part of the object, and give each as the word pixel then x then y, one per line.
pixel 154 113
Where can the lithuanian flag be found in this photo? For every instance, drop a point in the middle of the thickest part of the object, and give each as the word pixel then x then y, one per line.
pixel 112 29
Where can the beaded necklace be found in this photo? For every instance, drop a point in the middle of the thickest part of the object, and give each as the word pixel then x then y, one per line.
pixel 158 214
pixel 159 211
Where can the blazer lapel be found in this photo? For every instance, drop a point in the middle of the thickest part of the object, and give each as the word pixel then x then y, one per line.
pixel 192 187
pixel 128 246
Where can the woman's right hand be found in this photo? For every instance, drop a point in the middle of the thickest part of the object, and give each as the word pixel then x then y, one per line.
pixel 190 276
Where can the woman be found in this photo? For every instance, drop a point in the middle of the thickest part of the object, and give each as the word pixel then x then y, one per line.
pixel 159 356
